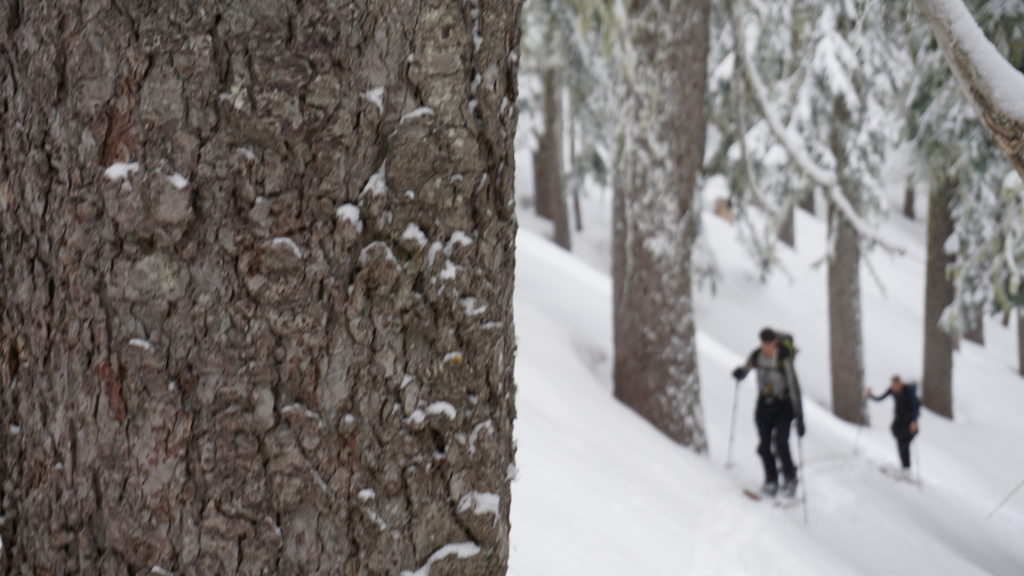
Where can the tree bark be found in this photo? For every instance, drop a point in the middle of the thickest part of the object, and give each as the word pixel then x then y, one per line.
pixel 976 333
pixel 550 182
pixel 844 306
pixel 807 204
pixel 249 322
pixel 1020 341
pixel 662 147
pixel 937 393
pixel 787 232
pixel 577 181
pixel 909 196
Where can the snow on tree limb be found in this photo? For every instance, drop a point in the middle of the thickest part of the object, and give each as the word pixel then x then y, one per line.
pixel 792 142
pixel 993 86
pixel 864 230
pixel 796 148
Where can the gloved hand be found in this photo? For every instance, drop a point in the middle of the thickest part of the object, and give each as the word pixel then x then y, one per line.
pixel 800 430
pixel 739 373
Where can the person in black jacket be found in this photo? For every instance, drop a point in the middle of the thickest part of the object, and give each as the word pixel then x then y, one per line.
pixel 778 405
pixel 904 423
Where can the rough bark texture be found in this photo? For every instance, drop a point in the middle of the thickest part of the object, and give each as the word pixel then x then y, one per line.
pixel 283 344
pixel 662 145
pixel 937 379
pixel 844 307
pixel 787 231
pixel 548 168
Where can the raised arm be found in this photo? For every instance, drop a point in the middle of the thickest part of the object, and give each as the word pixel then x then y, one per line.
pixel 879 398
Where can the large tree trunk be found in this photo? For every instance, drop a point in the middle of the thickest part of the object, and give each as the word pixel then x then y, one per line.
pixel 937 393
pixel 844 307
pixel 280 341
pixel 549 170
pixel 655 222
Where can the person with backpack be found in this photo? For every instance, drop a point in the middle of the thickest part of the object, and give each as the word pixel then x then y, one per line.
pixel 904 422
pixel 779 404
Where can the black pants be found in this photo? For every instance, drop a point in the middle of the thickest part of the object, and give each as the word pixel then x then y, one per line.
pixel 774 418
pixel 901 430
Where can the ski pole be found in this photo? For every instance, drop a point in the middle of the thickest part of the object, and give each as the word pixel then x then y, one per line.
pixel 856 440
pixel 1007 499
pixel 800 474
pixel 732 424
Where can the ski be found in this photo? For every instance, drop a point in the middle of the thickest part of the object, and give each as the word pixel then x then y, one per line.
pixel 898 475
pixel 777 501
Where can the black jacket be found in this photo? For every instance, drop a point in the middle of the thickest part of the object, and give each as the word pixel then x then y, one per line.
pixel 908 408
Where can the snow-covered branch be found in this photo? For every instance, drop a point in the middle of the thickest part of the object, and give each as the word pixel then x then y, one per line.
pixel 794 145
pixel 993 86
pixel 792 142
pixel 864 230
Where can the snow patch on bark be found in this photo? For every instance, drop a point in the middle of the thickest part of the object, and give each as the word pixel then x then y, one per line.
pixel 377 184
pixel 140 343
pixel 177 180
pixel 480 503
pixel 375 96
pixel 413 233
pixel 350 213
pixel 461 550
pixel 442 408
pixel 120 170
pixel 420 112
pixel 472 307
pixel 288 243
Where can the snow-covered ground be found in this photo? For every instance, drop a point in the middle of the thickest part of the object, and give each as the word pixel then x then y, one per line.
pixel 601 492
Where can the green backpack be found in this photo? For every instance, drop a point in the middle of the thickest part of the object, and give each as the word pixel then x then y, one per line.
pixel 786 342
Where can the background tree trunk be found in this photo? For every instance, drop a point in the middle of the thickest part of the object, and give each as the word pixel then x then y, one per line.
pixel 976 333
pixel 1020 341
pixel 655 223
pixel 844 307
pixel 937 393
pixel 578 178
pixel 807 203
pixel 280 340
pixel 550 182
pixel 909 196
pixel 787 232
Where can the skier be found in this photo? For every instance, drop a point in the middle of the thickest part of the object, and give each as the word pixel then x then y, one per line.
pixel 778 404
pixel 904 423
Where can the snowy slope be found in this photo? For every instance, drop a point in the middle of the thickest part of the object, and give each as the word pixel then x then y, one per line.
pixel 600 492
